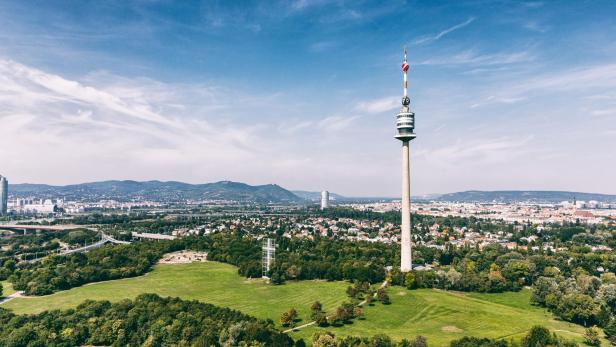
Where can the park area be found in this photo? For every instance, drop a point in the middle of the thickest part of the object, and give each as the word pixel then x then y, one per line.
pixel 438 315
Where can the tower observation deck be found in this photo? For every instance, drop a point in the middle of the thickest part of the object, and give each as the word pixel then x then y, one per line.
pixel 405 121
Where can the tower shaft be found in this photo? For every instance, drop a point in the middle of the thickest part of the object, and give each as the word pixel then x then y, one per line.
pixel 405 258
pixel 405 124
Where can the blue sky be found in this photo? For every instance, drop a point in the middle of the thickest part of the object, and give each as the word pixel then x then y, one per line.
pixel 508 94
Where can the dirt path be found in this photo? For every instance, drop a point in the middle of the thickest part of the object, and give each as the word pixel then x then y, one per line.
pixel 11 297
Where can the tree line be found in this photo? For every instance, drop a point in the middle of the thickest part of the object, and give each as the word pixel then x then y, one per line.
pixel 537 336
pixel 148 320
pixel 106 263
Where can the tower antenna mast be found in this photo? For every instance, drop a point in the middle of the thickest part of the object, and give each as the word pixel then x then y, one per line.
pixel 405 67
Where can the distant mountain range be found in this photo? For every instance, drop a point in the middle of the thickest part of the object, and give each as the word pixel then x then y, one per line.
pixel 523 196
pixel 269 193
pixel 158 191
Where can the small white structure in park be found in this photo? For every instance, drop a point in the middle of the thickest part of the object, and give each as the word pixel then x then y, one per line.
pixel 269 254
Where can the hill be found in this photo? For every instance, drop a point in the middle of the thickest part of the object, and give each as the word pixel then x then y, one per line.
pixel 524 196
pixel 158 191
pixel 441 316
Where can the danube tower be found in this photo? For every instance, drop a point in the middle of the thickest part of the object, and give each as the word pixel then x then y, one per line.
pixel 405 123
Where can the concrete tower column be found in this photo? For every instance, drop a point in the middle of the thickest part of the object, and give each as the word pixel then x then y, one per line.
pixel 405 124
pixel 405 259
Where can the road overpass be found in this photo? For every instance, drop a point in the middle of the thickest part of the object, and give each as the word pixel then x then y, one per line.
pixel 39 228
pixel 86 248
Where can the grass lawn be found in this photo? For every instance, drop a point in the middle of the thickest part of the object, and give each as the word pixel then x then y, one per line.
pixel 7 288
pixel 210 282
pixel 443 316
pixel 440 316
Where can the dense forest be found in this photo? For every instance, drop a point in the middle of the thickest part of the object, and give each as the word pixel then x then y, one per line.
pixel 582 299
pixel 149 320
pixel 106 263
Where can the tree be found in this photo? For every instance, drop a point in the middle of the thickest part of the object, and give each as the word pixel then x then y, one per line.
pixel 607 293
pixel 516 272
pixel 286 319
pixel 357 312
pixel 578 308
pixel 477 342
pixel 324 340
pixel 409 280
pixel 452 278
pixel 419 341
pixel 542 287
pixel 351 291
pixel 538 336
pixel 321 319
pixel 610 328
pixel 344 313
pixel 608 278
pixel 315 309
pixel 591 337
pixel 316 306
pixel 382 296
pixel 292 272
pixel 277 278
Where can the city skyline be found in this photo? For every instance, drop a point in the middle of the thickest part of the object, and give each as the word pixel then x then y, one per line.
pixel 302 94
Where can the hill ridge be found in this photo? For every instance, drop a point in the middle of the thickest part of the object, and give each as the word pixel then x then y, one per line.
pixel 156 190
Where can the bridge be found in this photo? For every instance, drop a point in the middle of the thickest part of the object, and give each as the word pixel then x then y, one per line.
pixel 37 228
pixel 104 240
pixel 151 236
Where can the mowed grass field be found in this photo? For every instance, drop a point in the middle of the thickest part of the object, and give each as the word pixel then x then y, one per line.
pixel 443 316
pixel 210 282
pixel 440 316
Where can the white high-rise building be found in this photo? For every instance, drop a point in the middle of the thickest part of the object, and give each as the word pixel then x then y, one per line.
pixel 405 124
pixel 4 195
pixel 324 199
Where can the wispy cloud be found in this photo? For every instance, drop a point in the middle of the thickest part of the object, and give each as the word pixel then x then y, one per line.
pixel 378 105
pixel 106 126
pixel 471 57
pixel 598 80
pixel 498 100
pixel 436 37
pixel 494 150
pixel 535 26
pixel 304 4
pixel 604 112
pixel 139 126
pixel 336 123
pixel 322 46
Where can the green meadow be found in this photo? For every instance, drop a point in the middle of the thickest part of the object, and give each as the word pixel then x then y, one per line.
pixel 443 316
pixel 440 316
pixel 210 282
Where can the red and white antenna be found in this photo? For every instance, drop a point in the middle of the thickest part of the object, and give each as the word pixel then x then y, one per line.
pixel 405 68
